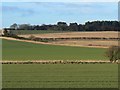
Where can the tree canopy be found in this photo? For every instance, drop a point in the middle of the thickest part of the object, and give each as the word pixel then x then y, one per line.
pixel 63 26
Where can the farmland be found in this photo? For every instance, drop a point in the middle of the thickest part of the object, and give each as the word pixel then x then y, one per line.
pixel 89 43
pixel 17 50
pixel 105 34
pixel 26 32
pixel 105 39
pixel 63 45
pixel 60 76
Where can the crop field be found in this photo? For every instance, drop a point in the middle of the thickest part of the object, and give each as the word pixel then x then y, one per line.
pixel 57 75
pixel 60 76
pixel 79 42
pixel 94 43
pixel 25 32
pixel 105 34
pixel 17 50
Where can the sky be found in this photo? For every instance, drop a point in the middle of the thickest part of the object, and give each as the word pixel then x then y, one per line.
pixel 60 0
pixel 53 12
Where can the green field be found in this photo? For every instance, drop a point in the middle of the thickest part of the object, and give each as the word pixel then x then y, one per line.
pixel 16 50
pixel 22 32
pixel 60 76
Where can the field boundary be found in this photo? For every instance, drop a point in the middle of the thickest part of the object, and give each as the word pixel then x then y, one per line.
pixel 58 62
pixel 38 42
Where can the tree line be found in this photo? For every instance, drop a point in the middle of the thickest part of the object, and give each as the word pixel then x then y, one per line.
pixel 63 26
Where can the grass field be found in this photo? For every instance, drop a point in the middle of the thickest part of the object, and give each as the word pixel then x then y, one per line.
pixel 16 50
pixel 60 76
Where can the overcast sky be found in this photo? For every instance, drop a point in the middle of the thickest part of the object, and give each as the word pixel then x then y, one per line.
pixel 52 12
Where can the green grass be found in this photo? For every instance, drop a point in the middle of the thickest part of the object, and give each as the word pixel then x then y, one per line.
pixel 16 50
pixel 22 32
pixel 60 76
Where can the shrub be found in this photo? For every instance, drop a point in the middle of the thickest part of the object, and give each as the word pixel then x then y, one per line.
pixel 113 53
pixel 31 37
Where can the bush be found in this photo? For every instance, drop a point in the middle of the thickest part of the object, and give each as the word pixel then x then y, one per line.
pixel 113 53
pixel 31 37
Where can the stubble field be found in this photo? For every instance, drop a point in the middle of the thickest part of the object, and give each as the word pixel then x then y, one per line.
pixel 79 42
